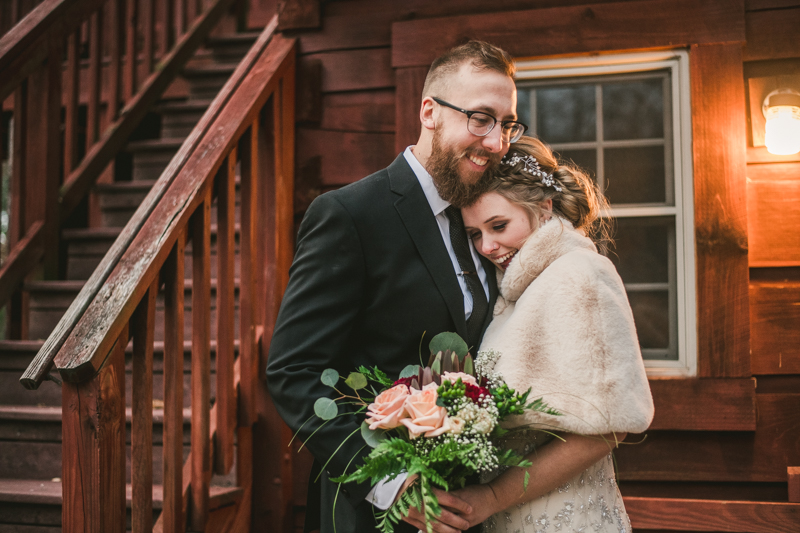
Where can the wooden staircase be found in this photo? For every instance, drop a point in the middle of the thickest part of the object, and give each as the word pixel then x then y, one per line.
pixel 31 421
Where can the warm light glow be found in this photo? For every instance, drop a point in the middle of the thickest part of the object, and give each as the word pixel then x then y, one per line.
pixel 783 130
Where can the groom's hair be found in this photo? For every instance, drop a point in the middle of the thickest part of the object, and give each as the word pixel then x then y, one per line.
pixel 481 55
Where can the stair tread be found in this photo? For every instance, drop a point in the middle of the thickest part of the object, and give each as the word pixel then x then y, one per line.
pixel 211 69
pixel 167 143
pixel 195 104
pixel 20 346
pixel 48 492
pixel 126 186
pixel 233 38
pixel 90 233
pixel 54 285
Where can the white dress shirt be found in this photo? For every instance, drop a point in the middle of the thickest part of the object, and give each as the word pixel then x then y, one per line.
pixel 383 494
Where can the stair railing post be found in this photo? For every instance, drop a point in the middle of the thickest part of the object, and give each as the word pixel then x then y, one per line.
pixel 93 447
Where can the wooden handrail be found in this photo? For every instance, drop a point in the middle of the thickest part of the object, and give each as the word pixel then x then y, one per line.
pixel 43 362
pixel 252 130
pixel 25 45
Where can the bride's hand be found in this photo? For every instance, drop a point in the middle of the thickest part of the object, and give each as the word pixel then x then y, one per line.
pixel 452 519
pixel 482 500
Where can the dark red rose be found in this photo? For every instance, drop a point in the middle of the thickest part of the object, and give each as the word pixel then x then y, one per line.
pixel 474 393
pixel 404 381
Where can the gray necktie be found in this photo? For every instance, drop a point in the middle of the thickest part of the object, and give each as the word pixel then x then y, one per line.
pixel 458 238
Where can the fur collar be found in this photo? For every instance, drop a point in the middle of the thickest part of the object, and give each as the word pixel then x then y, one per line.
pixel 550 241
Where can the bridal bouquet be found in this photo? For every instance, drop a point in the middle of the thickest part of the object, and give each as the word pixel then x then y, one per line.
pixel 439 423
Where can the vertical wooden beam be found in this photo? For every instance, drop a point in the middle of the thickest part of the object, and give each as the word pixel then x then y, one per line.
pixel 116 35
pixel 201 362
pixel 148 34
pixel 180 18
pixel 94 76
pixel 18 170
pixel 93 423
pixel 720 142
pixel 248 152
pixel 131 28
pixel 226 261
pixel 408 98
pixel 793 473
pixel 72 95
pixel 173 387
pixel 143 325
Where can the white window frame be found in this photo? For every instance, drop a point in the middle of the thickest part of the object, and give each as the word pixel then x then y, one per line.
pixel 677 61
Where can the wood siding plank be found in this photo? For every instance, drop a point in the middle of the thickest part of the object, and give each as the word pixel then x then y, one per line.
pixel 355 70
pixel 704 404
pixel 365 112
pixel 773 214
pixel 410 82
pixel 143 326
pixel 793 473
pixel 775 327
pixel 712 515
pixel 346 32
pixel 345 157
pixel 772 34
pixel 719 140
pixel 248 166
pixel 578 29
pixel 734 456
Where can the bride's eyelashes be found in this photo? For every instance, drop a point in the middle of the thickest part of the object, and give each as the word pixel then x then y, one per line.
pixel 499 227
pixel 474 235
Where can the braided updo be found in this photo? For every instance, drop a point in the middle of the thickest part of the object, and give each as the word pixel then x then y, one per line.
pixel 578 201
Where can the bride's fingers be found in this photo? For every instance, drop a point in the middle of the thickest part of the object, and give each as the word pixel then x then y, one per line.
pixel 454 503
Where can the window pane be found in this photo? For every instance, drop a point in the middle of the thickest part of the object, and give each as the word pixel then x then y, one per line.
pixel 651 315
pixel 635 175
pixel 633 110
pixel 641 249
pixel 524 109
pixel 585 159
pixel 566 114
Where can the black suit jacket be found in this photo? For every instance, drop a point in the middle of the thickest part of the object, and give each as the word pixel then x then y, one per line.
pixel 371 274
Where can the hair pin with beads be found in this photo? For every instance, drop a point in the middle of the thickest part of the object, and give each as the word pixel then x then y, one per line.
pixel 533 168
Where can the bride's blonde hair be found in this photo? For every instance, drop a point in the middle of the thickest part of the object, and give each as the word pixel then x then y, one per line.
pixel 578 199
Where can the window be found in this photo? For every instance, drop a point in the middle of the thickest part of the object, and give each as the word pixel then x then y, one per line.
pixel 627 120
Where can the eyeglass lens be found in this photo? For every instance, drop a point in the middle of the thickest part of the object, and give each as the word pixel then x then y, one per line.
pixel 481 124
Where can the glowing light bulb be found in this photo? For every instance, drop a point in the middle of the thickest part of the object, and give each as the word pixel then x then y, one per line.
pixel 783 130
pixel 782 112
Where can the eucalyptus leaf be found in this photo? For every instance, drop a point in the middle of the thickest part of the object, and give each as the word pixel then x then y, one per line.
pixel 372 438
pixel 330 377
pixel 326 409
pixel 410 370
pixel 356 380
pixel 449 341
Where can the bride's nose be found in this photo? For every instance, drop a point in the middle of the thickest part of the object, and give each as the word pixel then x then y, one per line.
pixel 488 246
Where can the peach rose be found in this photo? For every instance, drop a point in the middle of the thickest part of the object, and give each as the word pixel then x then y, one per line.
pixel 425 417
pixel 452 377
pixel 388 408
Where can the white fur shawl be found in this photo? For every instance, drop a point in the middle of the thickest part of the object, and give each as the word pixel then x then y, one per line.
pixel 563 327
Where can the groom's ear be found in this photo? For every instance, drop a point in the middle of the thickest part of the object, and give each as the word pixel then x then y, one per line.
pixel 426 113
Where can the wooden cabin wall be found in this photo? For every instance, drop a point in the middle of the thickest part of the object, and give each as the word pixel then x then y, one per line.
pixel 353 120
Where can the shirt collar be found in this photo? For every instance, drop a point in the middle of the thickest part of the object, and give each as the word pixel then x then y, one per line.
pixel 426 181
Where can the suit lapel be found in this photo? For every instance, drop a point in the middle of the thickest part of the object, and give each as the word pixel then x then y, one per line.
pixel 416 214
pixel 491 280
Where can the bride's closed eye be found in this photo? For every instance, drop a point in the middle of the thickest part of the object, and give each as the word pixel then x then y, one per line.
pixel 499 227
pixel 474 235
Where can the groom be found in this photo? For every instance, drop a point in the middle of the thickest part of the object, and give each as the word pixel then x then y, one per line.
pixel 385 260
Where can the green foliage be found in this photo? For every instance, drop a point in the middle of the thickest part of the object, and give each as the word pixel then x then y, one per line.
pixel 539 406
pixel 325 408
pixel 356 380
pixel 330 377
pixel 449 392
pixel 372 437
pixel 409 371
pixel 449 341
pixel 377 375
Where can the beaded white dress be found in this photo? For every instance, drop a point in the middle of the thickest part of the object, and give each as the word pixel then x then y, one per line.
pixel 590 503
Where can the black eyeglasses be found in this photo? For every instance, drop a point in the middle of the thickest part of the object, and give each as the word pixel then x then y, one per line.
pixel 481 124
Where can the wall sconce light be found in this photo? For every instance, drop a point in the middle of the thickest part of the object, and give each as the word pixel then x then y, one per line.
pixel 782 112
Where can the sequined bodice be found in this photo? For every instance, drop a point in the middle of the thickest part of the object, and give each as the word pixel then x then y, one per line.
pixel 590 503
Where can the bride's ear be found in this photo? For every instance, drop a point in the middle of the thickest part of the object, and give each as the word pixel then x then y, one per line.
pixel 547 206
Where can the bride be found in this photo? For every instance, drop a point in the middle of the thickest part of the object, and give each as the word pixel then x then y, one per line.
pixel 563 327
